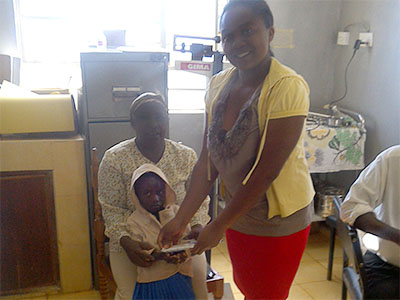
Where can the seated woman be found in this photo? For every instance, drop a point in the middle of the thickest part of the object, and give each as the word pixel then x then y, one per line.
pixel 149 119
pixel 169 276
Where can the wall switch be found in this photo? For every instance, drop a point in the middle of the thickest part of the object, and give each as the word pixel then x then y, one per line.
pixel 343 38
pixel 366 38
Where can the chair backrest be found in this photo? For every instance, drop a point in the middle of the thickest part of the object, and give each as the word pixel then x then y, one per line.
pixel 103 270
pixel 94 169
pixel 353 267
pixel 98 216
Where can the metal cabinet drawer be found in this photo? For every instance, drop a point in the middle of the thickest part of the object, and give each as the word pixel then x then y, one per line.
pixel 110 86
pixel 105 135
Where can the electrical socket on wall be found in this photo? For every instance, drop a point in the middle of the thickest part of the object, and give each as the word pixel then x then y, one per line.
pixel 343 38
pixel 366 38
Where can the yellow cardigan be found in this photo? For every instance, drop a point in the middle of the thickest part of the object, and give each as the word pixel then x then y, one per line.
pixel 284 94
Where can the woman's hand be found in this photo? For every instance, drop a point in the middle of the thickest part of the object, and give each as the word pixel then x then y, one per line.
pixel 209 237
pixel 194 233
pixel 171 233
pixel 136 252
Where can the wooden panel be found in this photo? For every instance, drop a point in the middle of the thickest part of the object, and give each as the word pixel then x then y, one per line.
pixel 28 238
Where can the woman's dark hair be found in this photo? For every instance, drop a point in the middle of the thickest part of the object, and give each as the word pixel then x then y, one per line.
pixel 259 7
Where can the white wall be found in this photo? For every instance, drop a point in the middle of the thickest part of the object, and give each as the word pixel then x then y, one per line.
pixel 8 40
pixel 315 23
pixel 374 74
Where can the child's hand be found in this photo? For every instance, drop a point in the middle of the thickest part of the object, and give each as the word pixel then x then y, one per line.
pixel 158 255
pixel 136 252
pixel 176 257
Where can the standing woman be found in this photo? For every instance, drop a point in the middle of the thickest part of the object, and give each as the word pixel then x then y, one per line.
pixel 256 114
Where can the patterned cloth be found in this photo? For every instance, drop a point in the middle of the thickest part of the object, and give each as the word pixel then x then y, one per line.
pixel 333 149
pixel 115 172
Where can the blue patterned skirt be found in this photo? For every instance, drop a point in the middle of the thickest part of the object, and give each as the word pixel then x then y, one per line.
pixel 175 287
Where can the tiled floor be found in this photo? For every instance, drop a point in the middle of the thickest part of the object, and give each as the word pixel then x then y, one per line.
pixel 310 281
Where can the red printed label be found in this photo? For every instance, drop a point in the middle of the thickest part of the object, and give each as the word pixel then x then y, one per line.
pixel 191 66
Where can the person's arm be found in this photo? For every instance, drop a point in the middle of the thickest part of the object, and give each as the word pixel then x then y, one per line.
pixel 369 223
pixel 113 197
pixel 137 252
pixel 282 136
pixel 198 190
pixel 199 186
pixel 201 217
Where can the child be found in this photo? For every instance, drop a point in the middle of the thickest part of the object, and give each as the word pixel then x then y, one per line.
pixel 169 277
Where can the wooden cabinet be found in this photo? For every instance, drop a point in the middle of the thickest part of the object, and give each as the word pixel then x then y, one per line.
pixel 28 239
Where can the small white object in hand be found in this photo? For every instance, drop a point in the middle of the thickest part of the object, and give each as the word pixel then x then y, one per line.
pixel 189 244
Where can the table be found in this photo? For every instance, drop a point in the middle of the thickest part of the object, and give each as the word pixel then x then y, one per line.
pixel 334 149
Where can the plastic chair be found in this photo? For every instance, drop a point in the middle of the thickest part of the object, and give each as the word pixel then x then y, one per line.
pixel 215 282
pixel 353 275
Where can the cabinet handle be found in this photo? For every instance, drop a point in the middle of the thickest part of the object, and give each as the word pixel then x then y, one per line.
pixel 121 93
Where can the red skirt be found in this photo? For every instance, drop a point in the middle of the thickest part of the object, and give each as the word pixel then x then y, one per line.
pixel 264 267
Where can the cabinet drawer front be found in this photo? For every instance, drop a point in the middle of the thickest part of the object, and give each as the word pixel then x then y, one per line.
pixel 110 86
pixel 107 134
